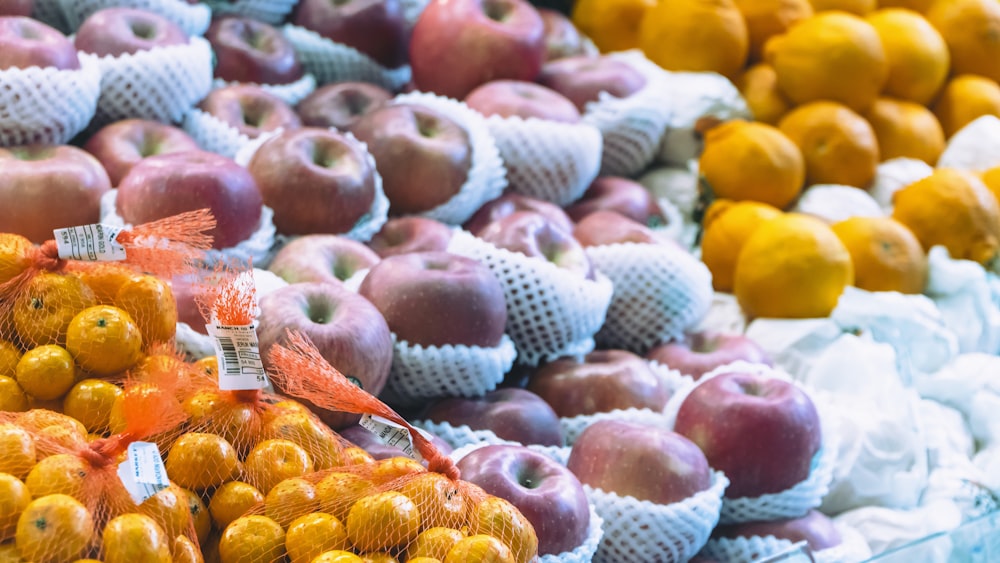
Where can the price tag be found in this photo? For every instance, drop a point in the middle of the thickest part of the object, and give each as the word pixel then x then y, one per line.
pixel 238 352
pixel 92 243
pixel 392 434
pixel 143 472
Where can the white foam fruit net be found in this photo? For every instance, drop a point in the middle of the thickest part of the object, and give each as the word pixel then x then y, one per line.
pixel 852 548
pixel 272 12
pixel 291 93
pixel 47 105
pixel 660 292
pixel 548 160
pixel 212 134
pixel 194 19
pixel 335 62
pixel 551 312
pixel 465 440
pixel 575 425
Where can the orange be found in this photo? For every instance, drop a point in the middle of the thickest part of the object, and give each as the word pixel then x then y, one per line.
pixel 304 429
pixel 965 98
pixel 313 534
pixel 163 369
pixel 273 461
pixel 105 279
pixel 104 340
pixel 337 556
pixel 971 28
pixel 393 468
pixel 727 226
pixel 759 87
pixel 208 367
pixel 954 209
pixel 744 160
pixel 442 503
pixel 90 402
pixel 17 451
pixel 46 372
pixel 10 354
pixel 15 255
pixel 338 491
pixel 54 528
pixel 905 130
pixel 232 500
pixel 135 537
pixel 885 254
pixel 200 517
pixel 42 312
pixel 498 518
pixel 919 6
pixel 14 498
pixel 991 178
pixel 9 554
pixel 252 538
pixel 479 548
pixel 434 543
pixel 169 509
pixel 12 396
pixel 357 456
pixel 767 18
pixel 792 266
pixel 917 54
pixel 424 560
pixel 58 439
pixel 150 302
pixel 199 461
pixel 146 398
pixel 613 25
pixel 289 500
pixel 37 420
pixel 183 550
pixel 838 145
pixel 383 521
pixel 856 7
pixel 379 557
pixel 58 474
pixel 832 56
pixel 696 35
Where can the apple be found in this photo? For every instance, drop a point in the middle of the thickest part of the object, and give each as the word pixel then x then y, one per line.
pixel 347 330
pixel 562 38
pixel 186 289
pixel 321 258
pixel 644 462
pixel 250 109
pixel 25 43
pixel 582 78
pixel 402 235
pixel 46 187
pixel 534 235
pixel 815 528
pixel 437 299
pixel 701 352
pixel 628 197
pixel 423 156
pixel 113 32
pixel 727 416
pixel 120 145
pixel 366 440
pixel 514 98
pixel 511 202
pixel 512 414
pixel 376 28
pixel 167 184
pixel 341 104
pixel 247 50
pixel 317 181
pixel 610 227
pixel 459 44
pixel 17 8
pixel 601 381
pixel 545 492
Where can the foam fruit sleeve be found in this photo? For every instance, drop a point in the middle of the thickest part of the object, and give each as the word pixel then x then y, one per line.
pixel 332 62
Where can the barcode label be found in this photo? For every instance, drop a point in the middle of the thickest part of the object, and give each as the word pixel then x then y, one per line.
pixel 92 243
pixel 238 352
pixel 392 434
pixel 143 472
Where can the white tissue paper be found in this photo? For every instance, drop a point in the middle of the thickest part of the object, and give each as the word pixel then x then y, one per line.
pixel 268 11
pixel 724 315
pixel 975 147
pixel 194 19
pixel 963 293
pixel 692 96
pixel 834 203
pixel 335 62
pixel 676 184
pixel 889 528
pixel 894 175
pixel 969 384
pixel 464 440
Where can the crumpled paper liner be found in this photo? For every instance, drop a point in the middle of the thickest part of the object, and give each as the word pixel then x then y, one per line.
pixel 834 203
pixel 464 440
pixel 691 97
pixel 192 343
pixel 272 12
pixel 335 62
pixel 852 549
pixel 894 175
pixel 291 93
pixel 47 105
pixel 975 147
pixel 194 19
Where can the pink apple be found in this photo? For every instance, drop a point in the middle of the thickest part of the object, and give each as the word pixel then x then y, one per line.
pixel 562 38
pixel 25 43
pixel 186 289
pixel 377 28
pixel 250 109
pixel 122 144
pixel 247 50
pixel 402 235
pixel 610 227
pixel 815 528
pixel 341 104
pixel 321 258
pixel 513 98
pixel 623 195
pixel 119 31
pixel 511 202
pixel 512 414
pixel 17 8
pixel 582 78
pixel 701 352
pixel 366 440
pixel 534 235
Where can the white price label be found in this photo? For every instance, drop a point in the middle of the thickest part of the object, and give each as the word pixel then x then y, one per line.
pixel 92 243
pixel 143 472
pixel 392 434
pixel 238 352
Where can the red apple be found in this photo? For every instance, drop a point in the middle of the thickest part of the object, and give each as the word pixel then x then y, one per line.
pixel 366 440
pixel 250 109
pixel 321 258
pixel 25 43
pixel 460 44
pixel 640 461
pixel 534 235
pixel 510 413
pixel 247 50
pixel 423 156
pixel 701 352
pixel 119 31
pixel 562 38
pixel 377 28
pixel 545 492
pixel 17 8
pixel 47 187
pixel 167 184
pixel 610 227
pixel 729 415
pixel 601 381
pixel 347 330
pixel 582 78
pixel 186 289
pixel 120 145
pixel 815 528
pixel 513 98
pixel 402 235
pixel 341 104
pixel 436 298
pixel 623 195
pixel 511 202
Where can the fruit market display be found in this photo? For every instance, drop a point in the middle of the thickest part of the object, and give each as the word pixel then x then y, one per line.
pixel 447 281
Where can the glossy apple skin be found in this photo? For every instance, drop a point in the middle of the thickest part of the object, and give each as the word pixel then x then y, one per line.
pixel 423 156
pixel 247 50
pixel 459 44
pixel 316 180
pixel 250 109
pixel 645 462
pixel 514 98
pixel 511 202
pixel 341 104
pixel 377 28
pixel 582 78
pixel 601 381
pixel 609 227
pixel 25 43
pixel 512 414
pixel 119 31
pixel 628 197
pixel 347 330
pixel 562 38
pixel 728 414
pixel 122 144
pixel 534 235
pixel 403 235
pixel 17 8
pixel 815 528
pixel 701 352
pixel 548 494
pixel 167 184
pixel 46 187
pixel 437 298
pixel 321 258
